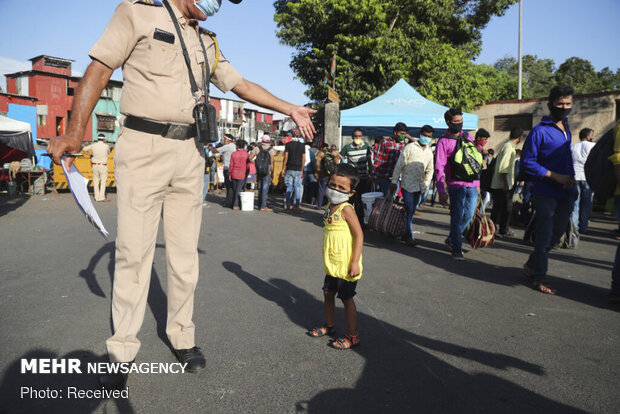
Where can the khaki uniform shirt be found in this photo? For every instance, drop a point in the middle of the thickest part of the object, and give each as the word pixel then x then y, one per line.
pixel 156 79
pixel 100 151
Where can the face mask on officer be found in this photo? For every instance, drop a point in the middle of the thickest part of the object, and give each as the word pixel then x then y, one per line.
pixel 208 7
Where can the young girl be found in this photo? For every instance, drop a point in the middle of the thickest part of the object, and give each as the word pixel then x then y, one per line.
pixel 342 255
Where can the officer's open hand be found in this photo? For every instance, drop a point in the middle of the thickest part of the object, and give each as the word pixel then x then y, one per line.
pixel 301 115
pixel 70 143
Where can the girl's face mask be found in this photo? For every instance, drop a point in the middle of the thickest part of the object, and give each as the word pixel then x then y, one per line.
pixel 335 196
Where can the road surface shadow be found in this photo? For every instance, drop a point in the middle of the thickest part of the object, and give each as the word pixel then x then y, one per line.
pixel 18 392
pixel 437 254
pixel 157 299
pixel 9 204
pixel 400 375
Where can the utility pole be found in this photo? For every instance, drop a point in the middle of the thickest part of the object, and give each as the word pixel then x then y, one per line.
pixel 520 88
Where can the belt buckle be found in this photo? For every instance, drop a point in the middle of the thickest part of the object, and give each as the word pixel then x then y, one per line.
pixel 176 131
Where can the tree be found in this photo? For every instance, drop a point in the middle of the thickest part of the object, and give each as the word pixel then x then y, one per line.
pixel 377 42
pixel 609 81
pixel 537 76
pixel 580 74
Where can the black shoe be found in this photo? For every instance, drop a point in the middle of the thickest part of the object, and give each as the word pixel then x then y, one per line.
pixel 448 242
pixel 116 381
pixel 194 359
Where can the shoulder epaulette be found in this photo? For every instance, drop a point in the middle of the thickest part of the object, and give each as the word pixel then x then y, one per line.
pixel 217 47
pixel 207 32
pixel 150 2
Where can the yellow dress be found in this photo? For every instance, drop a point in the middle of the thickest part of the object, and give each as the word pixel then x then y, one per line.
pixel 338 245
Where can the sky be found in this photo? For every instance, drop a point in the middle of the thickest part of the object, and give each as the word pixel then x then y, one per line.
pixel 555 29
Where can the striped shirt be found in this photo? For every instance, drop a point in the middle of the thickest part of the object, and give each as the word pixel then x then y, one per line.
pixel 358 157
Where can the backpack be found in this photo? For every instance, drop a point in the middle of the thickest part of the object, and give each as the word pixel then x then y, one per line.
pixel 328 164
pixel 486 176
pixel 262 162
pixel 599 170
pixel 466 162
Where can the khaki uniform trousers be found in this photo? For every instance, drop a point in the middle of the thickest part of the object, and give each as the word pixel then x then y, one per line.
pixel 100 179
pixel 155 177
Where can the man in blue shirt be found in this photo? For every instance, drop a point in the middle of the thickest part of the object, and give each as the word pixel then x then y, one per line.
pixel 547 157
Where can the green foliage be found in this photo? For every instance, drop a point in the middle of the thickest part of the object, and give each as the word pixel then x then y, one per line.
pixel 429 43
pixel 537 76
pixel 540 75
pixel 579 73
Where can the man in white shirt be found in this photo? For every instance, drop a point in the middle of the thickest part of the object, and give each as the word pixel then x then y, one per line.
pixel 583 201
pixel 99 152
pixel 414 168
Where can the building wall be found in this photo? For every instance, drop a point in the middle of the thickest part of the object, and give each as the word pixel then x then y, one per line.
pixel 6 100
pixel 217 104
pixel 108 106
pixel 52 92
pixel 39 64
pixel 596 111
pixel 11 85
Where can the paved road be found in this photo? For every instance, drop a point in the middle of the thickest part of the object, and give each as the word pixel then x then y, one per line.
pixel 438 336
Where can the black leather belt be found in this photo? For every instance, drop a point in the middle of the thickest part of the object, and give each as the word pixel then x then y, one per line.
pixel 173 131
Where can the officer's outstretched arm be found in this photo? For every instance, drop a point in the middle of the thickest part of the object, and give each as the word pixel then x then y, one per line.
pixel 260 96
pixel 89 90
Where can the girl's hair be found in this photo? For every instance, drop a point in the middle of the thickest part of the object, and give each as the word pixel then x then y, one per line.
pixel 349 171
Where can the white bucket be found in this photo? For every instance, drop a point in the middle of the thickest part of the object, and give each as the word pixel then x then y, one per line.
pixel 368 199
pixel 247 200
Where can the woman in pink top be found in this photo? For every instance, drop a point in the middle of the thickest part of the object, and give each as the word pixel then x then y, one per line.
pixel 238 170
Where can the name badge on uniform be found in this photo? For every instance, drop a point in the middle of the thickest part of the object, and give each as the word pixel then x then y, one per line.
pixel 164 36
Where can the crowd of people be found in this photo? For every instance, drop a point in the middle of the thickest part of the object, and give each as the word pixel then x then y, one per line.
pixel 546 178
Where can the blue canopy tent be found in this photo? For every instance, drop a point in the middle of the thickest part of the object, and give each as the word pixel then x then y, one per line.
pixel 400 103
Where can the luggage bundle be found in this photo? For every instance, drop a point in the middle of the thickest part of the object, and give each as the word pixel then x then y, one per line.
pixel 481 230
pixel 387 217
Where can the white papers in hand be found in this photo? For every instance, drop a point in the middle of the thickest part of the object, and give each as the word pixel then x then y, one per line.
pixel 77 185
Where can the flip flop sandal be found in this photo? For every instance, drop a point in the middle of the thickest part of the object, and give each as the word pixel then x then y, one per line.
pixel 319 331
pixel 346 342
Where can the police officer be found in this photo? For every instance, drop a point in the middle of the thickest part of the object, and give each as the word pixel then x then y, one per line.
pixel 158 165
pixel 99 151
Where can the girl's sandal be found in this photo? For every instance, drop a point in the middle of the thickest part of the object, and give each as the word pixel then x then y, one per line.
pixel 346 342
pixel 322 330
